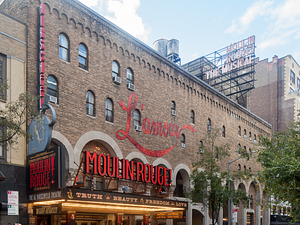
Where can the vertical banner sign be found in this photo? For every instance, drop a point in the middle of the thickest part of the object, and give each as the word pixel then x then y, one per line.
pixel 12 203
pixel 41 69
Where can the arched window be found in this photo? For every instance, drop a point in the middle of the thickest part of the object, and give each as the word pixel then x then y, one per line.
pixel 245 133
pixel 223 131
pixel 129 75
pixel 52 89
pixel 63 47
pixel 173 108
pixel 109 113
pixel 90 103
pixel 115 69
pixel 83 56
pixel 249 136
pixel 183 141
pixel 209 124
pixel 136 118
pixel 239 149
pixel 254 138
pixel 192 117
pixel 239 131
pixel 201 149
pixel 239 167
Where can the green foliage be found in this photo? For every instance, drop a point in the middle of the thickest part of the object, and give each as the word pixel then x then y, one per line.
pixel 15 115
pixel 280 158
pixel 209 181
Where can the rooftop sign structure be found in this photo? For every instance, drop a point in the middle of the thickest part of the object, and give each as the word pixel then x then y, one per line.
pixel 230 70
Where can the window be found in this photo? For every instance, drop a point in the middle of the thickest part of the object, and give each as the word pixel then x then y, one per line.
pixel 239 131
pixel 245 133
pixel 90 103
pixel 201 149
pixel 209 124
pixel 192 117
pixel 109 115
pixel 249 136
pixel 2 74
pixel 254 138
pixel 173 108
pixel 298 83
pixel 136 118
pixel 129 75
pixel 52 88
pixel 63 47
pixel 292 76
pixel 223 131
pixel 115 69
pixel 239 167
pixel 82 56
pixel 183 141
pixel 239 149
pixel 291 90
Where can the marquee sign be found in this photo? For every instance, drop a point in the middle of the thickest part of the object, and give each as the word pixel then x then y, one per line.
pixel 105 165
pixel 154 128
pixel 86 195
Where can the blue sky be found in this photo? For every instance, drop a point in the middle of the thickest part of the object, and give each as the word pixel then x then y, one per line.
pixel 203 27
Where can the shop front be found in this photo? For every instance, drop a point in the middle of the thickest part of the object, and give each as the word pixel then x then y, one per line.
pixel 85 207
pixel 106 191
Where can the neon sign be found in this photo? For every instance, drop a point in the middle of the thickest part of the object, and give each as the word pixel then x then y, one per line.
pixel 105 165
pixel 156 128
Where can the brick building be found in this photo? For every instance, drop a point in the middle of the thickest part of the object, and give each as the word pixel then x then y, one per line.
pixel 13 69
pixel 276 95
pixel 107 89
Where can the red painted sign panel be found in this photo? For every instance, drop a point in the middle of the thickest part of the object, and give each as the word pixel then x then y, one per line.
pixel 156 128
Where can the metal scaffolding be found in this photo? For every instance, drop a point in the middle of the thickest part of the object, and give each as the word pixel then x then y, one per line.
pixel 235 83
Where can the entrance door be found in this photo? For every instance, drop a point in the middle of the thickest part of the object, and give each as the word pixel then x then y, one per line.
pixel 249 218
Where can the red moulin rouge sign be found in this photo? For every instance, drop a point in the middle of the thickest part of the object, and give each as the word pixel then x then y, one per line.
pixel 156 128
pixel 45 170
pixel 105 165
pixel 41 87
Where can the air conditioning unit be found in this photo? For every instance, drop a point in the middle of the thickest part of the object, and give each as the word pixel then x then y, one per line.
pixel 254 141
pixel 130 86
pixel 209 128
pixel 173 112
pixel 182 145
pixel 117 80
pixel 138 128
pixel 249 138
pixel 245 136
pixel 53 99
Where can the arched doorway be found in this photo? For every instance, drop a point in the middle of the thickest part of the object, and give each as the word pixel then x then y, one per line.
pixel 197 218
pixel 182 183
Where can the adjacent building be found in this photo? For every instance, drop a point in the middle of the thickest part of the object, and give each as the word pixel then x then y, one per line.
pixel 276 95
pixel 114 96
pixel 13 58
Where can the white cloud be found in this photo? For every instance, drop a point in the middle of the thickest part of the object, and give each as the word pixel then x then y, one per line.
pixel 257 9
pixel 283 22
pixel 124 14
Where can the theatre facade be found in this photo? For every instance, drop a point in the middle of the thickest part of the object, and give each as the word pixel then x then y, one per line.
pixel 129 125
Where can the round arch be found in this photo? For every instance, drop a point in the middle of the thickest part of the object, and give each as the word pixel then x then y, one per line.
pixel 96 136
pixel 179 167
pixel 137 155
pixel 163 162
pixel 56 136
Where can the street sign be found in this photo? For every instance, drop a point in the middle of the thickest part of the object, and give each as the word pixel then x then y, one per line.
pixel 234 216
pixel 12 203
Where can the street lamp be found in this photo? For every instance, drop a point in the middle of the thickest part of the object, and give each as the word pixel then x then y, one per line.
pixel 229 211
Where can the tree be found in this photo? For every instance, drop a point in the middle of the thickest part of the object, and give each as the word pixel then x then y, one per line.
pixel 209 182
pixel 14 116
pixel 280 159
